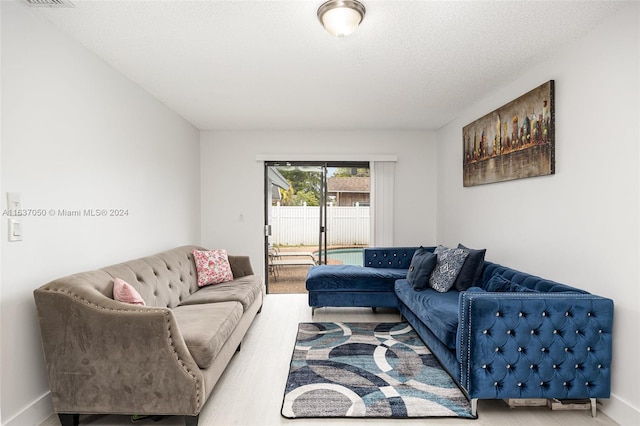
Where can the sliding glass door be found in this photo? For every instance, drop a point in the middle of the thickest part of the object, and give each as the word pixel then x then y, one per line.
pixel 303 199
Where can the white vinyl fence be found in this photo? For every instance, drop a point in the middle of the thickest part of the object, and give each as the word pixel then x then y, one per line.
pixel 298 225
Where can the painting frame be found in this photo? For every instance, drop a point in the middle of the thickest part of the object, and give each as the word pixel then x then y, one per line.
pixel 515 141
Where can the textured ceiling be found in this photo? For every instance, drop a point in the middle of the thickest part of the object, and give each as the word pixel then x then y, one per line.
pixel 270 65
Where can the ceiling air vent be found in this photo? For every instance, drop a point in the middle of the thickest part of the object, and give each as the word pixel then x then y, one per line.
pixel 48 3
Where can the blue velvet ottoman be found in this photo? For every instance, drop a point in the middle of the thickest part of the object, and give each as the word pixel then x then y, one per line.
pixel 360 286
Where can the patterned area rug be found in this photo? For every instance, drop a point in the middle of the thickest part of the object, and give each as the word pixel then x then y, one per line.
pixel 368 370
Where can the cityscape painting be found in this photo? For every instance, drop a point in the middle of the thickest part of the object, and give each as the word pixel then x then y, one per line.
pixel 513 142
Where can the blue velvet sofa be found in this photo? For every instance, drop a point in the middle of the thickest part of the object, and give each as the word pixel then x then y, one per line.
pixel 545 340
pixel 353 285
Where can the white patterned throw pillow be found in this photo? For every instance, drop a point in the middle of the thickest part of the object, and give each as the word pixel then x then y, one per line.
pixel 448 267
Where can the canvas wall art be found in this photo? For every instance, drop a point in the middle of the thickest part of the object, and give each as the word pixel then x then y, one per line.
pixel 513 142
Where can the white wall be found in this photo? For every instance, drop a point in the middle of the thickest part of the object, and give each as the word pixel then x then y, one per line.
pixel 232 181
pixel 1 31
pixel 78 135
pixel 579 226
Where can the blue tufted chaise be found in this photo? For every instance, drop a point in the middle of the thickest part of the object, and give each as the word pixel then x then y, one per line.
pixel 352 285
pixel 551 343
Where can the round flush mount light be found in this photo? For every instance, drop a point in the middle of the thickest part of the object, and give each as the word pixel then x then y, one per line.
pixel 341 17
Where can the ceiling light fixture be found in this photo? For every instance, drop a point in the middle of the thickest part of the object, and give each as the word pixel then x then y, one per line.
pixel 341 17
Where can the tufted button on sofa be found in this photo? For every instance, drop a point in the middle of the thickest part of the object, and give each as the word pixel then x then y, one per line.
pixel 107 357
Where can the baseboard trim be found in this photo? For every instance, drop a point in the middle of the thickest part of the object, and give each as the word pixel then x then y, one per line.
pixel 620 411
pixel 41 409
pixel 34 414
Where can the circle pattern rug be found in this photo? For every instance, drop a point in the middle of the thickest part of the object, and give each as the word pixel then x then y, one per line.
pixel 368 370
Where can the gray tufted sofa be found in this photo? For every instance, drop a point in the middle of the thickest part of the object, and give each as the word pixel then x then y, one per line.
pixel 107 357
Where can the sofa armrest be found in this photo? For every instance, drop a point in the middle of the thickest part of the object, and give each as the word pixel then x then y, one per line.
pixel 532 345
pixel 240 266
pixel 389 257
pixel 103 356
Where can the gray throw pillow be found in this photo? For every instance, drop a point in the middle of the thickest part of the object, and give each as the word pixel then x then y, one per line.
pixel 422 265
pixel 448 267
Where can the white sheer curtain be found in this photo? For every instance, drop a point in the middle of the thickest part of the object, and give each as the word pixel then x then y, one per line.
pixel 382 202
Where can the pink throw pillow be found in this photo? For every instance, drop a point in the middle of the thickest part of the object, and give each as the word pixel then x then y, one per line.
pixel 124 292
pixel 212 266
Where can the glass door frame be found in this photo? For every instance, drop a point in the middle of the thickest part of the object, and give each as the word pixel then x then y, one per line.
pixel 322 226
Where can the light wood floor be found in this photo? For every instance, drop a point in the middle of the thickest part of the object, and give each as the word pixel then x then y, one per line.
pixel 250 391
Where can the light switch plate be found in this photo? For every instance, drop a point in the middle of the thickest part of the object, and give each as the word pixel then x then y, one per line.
pixel 15 230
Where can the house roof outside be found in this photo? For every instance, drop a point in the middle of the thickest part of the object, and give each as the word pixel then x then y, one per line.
pixel 276 178
pixel 348 184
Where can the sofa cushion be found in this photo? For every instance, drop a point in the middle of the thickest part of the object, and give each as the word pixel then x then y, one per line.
pixel 471 269
pixel 448 267
pixel 438 311
pixel 527 280
pixel 244 290
pixel 498 283
pixel 163 280
pixel 422 264
pixel 389 257
pixel 352 278
pixel 206 327
pixel 124 292
pixel 212 266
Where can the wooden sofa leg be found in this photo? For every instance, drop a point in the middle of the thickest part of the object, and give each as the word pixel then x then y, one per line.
pixel 69 419
pixel 191 420
pixel 594 407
